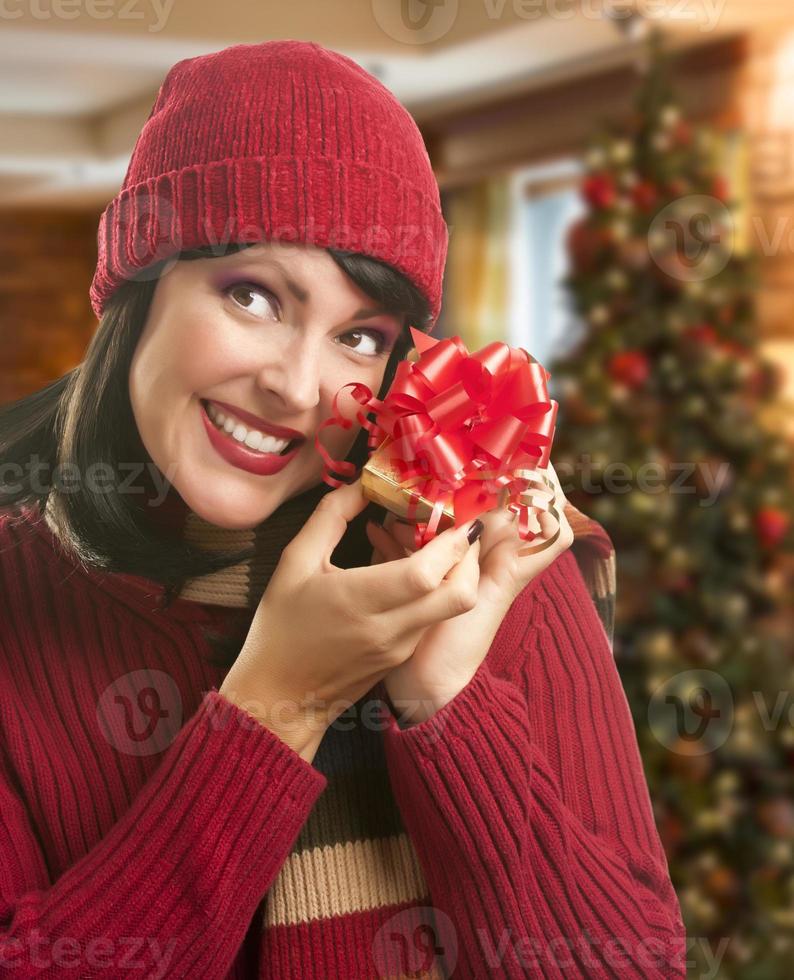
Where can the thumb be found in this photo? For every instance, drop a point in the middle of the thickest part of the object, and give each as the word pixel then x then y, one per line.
pixel 313 545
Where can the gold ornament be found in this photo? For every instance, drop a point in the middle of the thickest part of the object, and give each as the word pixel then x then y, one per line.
pixel 621 151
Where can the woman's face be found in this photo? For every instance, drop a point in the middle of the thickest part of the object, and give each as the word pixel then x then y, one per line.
pixel 270 333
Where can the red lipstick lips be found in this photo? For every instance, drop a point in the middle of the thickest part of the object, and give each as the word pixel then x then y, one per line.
pixel 238 454
pixel 255 422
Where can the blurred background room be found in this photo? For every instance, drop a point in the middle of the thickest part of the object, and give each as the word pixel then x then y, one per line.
pixel 618 181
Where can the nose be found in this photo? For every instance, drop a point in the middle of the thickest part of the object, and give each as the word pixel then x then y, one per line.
pixel 292 376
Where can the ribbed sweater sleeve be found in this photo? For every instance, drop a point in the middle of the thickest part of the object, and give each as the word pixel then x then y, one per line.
pixel 172 888
pixel 527 804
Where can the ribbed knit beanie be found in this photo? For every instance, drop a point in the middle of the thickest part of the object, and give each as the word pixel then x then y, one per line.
pixel 281 140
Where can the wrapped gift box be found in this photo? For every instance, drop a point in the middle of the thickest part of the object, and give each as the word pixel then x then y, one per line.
pixel 457 434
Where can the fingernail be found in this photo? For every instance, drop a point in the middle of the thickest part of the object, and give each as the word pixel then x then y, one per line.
pixel 475 531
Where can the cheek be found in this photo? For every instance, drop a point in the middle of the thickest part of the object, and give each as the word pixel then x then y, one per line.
pixel 194 356
pixel 346 405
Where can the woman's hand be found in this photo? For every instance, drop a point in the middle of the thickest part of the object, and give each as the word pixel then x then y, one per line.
pixel 322 636
pixel 450 652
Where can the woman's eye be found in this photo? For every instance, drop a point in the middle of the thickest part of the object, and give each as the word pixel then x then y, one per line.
pixel 258 301
pixel 378 342
pixel 254 299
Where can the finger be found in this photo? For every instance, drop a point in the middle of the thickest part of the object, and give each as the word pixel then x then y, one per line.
pixel 504 565
pixel 389 548
pixel 549 524
pixel 456 594
pixel 550 531
pixel 402 532
pixel 396 583
pixel 499 525
pixel 314 544
pixel 391 521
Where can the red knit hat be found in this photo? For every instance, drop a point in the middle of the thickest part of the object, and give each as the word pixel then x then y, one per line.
pixel 280 140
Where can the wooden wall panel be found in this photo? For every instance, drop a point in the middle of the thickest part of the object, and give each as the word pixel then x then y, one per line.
pixel 47 261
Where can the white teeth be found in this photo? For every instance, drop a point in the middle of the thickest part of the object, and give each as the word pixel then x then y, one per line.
pixel 250 437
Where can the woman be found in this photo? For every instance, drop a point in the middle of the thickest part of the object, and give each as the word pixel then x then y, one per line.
pixel 201 773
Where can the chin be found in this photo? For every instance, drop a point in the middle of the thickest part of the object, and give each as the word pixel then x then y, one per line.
pixel 228 512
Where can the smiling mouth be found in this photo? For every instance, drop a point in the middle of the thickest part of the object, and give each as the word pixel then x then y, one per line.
pixel 210 412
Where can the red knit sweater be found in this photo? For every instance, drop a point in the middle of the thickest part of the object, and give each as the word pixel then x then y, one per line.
pixel 524 797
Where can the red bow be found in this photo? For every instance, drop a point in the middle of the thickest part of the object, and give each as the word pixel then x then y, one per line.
pixel 459 428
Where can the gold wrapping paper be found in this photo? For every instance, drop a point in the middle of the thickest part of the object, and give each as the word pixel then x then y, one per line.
pixel 381 483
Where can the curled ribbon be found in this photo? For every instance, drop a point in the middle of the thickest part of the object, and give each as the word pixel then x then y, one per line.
pixel 467 429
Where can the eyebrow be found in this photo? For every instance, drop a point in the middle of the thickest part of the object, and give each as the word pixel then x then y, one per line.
pixel 302 295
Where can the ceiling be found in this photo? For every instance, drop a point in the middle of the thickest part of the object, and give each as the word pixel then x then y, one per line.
pixel 78 77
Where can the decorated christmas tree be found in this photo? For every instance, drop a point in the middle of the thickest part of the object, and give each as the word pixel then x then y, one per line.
pixel 664 437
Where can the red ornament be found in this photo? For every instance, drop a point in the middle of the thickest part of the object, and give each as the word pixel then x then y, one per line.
pixel 630 367
pixel 771 525
pixel 735 349
pixel 683 133
pixel 644 194
pixel 726 313
pixel 599 190
pixel 680 583
pixel 757 384
pixel 701 333
pixel 586 244
pixel 720 188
